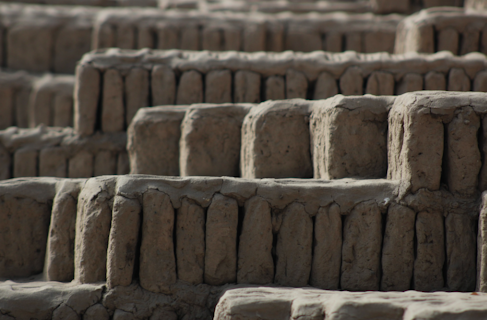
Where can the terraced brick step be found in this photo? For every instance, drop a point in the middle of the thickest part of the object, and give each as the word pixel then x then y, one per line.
pixel 456 30
pixel 266 303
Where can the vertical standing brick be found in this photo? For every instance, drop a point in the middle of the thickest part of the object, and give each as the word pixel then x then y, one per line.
pixel 105 163
pixel 123 163
pixel 63 111
pixel 470 40
pixel 145 37
pixel 232 38
pixel 93 222
pixel 190 89
pixel 380 84
pixel 430 256
pixel 333 42
pixel 122 243
pixel 22 99
pixel 276 141
pixel 483 41
pixel 136 92
pixel 24 237
pixel 255 263
pixel 480 82
pixel 448 40
pixel 409 83
pixel 327 252
pixel 113 109
pixel 167 36
pixel 25 163
pixel 294 247
pixel 41 107
pixel 52 162
pixel 461 247
pixel 153 141
pixel 104 36
pixel 81 165
pixel 352 82
pixel 60 246
pixel 254 37
pixel 275 88
pixel 301 38
pixel 415 145
pixel 6 107
pixel 5 163
pixel 125 38
pixel 296 84
pixel 458 80
pixel 210 140
pixel 212 38
pixel 190 38
pixel 221 241
pixel 398 249
pixel 462 161
pixel 353 41
pixel 163 83
pixel 190 242
pixel 157 262
pixel 218 86
pixel 326 86
pixel 275 36
pixel 362 239
pixel 434 81
pixel 86 93
pixel 247 86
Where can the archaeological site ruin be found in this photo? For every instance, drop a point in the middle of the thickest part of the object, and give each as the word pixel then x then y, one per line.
pixel 243 159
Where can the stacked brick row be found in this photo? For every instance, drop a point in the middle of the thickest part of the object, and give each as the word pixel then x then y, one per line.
pixel 221 230
pixel 116 83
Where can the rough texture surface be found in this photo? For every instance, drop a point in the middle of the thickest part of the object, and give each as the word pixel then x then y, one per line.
pixel 275 141
pixel 163 125
pixel 294 246
pixel 255 263
pixel 349 137
pixel 362 234
pixel 210 140
pixel 221 241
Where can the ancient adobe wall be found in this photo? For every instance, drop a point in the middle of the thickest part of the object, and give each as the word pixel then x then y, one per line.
pixel 224 230
pixel 456 30
pixel 340 137
pixel 27 100
pixel 149 78
pixel 58 152
pixel 44 38
pixel 335 32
